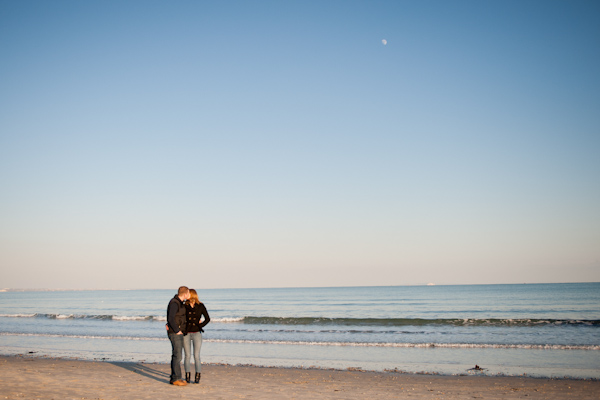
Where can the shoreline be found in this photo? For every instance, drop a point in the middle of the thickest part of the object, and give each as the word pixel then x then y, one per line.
pixel 30 376
pixel 395 371
pixel 472 370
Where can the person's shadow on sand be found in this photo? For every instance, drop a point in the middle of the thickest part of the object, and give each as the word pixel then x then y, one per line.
pixel 145 371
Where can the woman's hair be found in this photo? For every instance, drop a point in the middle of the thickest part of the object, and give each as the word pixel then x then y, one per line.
pixel 193 300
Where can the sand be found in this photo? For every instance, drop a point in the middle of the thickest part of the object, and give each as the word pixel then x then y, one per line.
pixel 24 377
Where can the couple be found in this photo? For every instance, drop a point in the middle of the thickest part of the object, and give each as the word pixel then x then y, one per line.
pixel 184 327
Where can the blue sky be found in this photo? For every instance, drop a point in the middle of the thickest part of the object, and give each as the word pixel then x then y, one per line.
pixel 257 144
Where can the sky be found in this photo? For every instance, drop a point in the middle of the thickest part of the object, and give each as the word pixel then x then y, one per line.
pixel 152 144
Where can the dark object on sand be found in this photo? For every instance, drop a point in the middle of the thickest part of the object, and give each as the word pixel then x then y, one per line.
pixel 477 368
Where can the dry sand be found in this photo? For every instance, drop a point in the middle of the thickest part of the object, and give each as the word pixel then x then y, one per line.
pixel 24 377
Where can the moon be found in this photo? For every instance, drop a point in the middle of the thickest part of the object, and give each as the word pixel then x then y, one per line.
pixel 384 42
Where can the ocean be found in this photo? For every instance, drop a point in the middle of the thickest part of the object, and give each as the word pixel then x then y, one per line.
pixel 540 330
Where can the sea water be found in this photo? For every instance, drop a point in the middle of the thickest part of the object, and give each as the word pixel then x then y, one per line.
pixel 543 330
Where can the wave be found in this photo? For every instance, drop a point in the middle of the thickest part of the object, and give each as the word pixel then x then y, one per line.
pixel 323 321
pixel 414 321
pixel 18 315
pixel 83 316
pixel 336 344
pixel 109 317
pixel 52 335
pixel 417 345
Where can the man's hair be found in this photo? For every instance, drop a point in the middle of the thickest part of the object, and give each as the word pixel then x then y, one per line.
pixel 183 290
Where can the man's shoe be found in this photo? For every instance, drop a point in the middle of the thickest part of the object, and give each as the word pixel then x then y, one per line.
pixel 180 382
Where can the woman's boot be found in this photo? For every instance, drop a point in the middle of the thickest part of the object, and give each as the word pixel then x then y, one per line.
pixel 197 377
pixel 187 376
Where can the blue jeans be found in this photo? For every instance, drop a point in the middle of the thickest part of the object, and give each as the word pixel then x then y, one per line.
pixel 196 338
pixel 176 346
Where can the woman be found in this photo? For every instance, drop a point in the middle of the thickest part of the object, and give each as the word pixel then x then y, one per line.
pixel 194 310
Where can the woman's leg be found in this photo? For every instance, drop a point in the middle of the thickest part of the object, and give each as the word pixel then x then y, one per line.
pixel 187 344
pixel 197 338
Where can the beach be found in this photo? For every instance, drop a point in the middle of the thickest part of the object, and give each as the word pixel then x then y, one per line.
pixel 541 331
pixel 26 377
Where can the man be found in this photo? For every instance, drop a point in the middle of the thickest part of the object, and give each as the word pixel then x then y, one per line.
pixel 176 328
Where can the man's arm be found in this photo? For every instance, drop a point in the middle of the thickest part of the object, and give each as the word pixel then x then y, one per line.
pixel 172 324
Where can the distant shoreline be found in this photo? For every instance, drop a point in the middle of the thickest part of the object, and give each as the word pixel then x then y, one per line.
pixel 293 287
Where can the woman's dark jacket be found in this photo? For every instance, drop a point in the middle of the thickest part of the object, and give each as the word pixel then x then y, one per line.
pixel 193 317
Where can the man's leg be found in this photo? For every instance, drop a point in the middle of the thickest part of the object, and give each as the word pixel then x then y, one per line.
pixel 176 347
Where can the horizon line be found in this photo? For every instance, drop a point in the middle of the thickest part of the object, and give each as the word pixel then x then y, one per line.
pixel 4 290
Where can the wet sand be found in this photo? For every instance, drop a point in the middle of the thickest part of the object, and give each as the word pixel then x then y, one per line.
pixel 23 377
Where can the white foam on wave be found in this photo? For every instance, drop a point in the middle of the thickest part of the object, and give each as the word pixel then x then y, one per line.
pixel 227 320
pixel 414 345
pixel 127 318
pixel 18 315
pixel 81 336
pixel 83 316
pixel 338 344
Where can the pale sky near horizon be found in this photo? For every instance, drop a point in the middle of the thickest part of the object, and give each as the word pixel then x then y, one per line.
pixel 149 144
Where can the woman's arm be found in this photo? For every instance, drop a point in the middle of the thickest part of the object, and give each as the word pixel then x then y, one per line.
pixel 206 317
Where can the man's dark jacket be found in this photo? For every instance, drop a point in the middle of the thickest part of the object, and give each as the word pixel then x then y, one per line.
pixel 176 316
